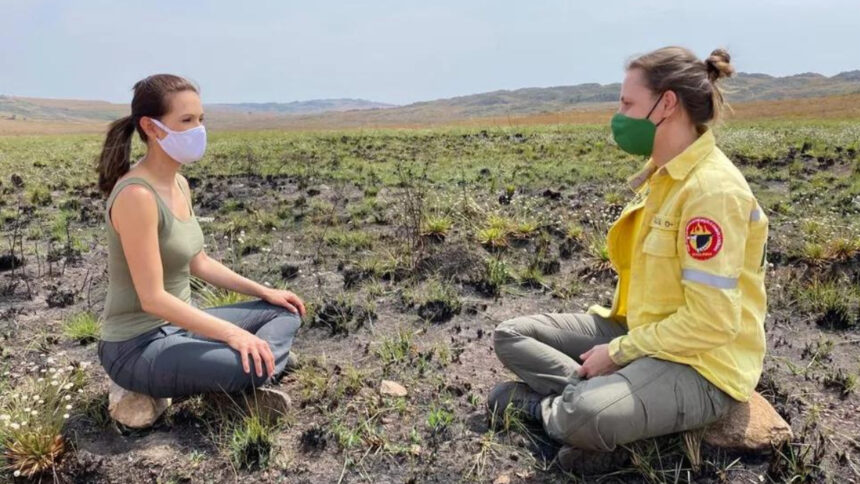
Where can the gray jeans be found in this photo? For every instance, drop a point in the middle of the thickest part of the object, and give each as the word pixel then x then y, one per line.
pixel 171 362
pixel 647 398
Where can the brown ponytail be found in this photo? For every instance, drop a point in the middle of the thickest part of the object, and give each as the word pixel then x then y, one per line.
pixel 115 159
pixel 151 99
pixel 695 82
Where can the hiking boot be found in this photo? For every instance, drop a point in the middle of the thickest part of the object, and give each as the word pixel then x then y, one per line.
pixel 293 363
pixel 592 462
pixel 524 400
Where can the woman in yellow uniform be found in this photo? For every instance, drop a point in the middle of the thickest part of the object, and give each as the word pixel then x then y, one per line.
pixel 685 334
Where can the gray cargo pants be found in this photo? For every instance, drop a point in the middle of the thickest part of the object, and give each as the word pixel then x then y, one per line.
pixel 647 398
pixel 171 362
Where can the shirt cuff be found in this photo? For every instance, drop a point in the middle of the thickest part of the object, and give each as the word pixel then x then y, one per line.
pixel 622 351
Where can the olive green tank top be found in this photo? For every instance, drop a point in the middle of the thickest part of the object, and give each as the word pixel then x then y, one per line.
pixel 178 242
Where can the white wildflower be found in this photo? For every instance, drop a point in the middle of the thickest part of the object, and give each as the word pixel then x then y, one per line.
pixel 67 398
pixel 68 407
pixel 65 416
pixel 16 473
pixel 15 425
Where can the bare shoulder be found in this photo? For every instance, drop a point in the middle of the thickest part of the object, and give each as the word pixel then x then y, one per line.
pixel 135 200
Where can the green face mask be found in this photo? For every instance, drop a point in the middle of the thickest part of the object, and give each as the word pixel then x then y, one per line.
pixel 635 135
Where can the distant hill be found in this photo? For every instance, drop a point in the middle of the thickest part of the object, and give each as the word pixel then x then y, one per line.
pixel 22 108
pixel 73 110
pixel 741 88
pixel 19 114
pixel 315 106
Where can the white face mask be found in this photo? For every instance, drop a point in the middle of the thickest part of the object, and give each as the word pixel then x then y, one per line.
pixel 183 146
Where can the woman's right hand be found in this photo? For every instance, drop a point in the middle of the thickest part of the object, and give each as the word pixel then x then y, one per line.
pixel 251 347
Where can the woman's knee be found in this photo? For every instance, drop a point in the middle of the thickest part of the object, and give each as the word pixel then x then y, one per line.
pixel 287 323
pixel 589 422
pixel 505 333
pixel 512 329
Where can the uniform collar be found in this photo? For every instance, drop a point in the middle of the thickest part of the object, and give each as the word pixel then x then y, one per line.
pixel 678 167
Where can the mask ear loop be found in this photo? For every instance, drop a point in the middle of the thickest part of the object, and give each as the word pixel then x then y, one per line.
pixel 161 126
pixel 648 116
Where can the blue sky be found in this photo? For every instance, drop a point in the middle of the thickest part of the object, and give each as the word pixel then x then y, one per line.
pixel 396 51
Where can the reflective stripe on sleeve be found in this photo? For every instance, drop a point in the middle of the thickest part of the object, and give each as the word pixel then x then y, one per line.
pixel 707 279
pixel 755 216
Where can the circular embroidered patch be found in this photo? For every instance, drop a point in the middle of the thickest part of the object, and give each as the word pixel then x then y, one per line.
pixel 704 238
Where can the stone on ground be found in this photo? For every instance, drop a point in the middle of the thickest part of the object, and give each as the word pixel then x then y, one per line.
pixel 134 410
pixel 751 426
pixel 393 389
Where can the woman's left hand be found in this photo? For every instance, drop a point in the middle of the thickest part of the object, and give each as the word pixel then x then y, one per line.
pixel 287 299
pixel 596 362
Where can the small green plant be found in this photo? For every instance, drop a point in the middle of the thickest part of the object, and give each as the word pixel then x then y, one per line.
pixel 843 248
pixel 532 277
pixel 321 212
pixel 492 237
pixel 573 231
pixel 82 327
pixel 614 198
pixel 313 381
pixel 801 460
pixel 251 442
pixel 813 251
pixel 497 275
pixel 436 226
pixel 437 301
pixel 349 239
pixel 525 229
pixel 396 349
pixel 834 302
pixel 39 195
pixel 596 245
pixel 350 381
pixel 33 414
pixel 439 419
pixel 842 380
pixel 212 296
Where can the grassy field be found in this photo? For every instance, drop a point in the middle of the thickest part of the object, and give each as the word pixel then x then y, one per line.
pixel 410 246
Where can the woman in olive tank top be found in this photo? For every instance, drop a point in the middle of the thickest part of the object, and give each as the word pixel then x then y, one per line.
pixel 154 341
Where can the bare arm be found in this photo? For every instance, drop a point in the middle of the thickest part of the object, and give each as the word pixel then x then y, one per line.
pixel 134 215
pixel 217 274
